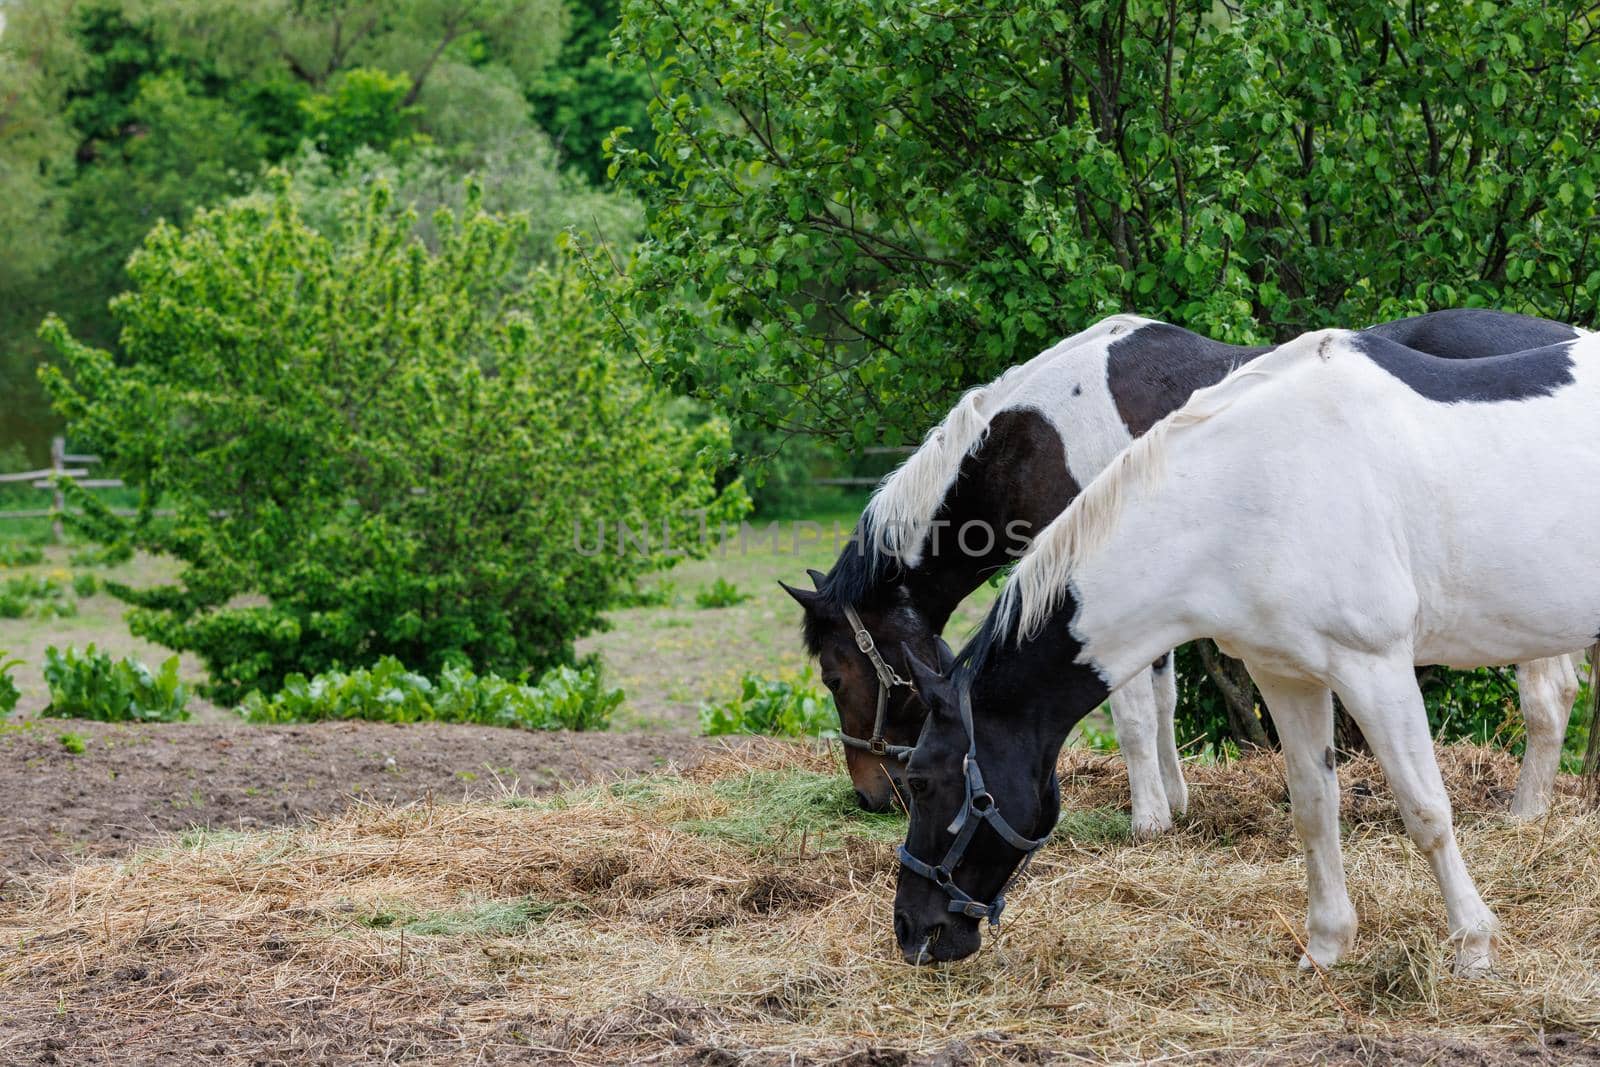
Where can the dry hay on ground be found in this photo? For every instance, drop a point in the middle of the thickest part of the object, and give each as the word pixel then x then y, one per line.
pixel 647 919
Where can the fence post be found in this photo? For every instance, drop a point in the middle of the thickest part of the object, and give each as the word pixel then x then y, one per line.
pixel 58 463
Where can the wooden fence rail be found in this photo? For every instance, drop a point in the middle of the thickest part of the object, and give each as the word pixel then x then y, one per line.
pixel 875 450
pixel 63 464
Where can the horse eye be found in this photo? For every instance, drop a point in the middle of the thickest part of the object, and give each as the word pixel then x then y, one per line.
pixel 917 785
pixel 832 682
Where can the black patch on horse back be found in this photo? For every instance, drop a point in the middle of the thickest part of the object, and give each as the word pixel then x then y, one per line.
pixel 1162 662
pixel 1154 370
pixel 1018 474
pixel 1492 379
pixel 1472 333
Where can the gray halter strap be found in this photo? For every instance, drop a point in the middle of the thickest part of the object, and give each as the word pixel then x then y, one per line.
pixel 978 809
pixel 887 680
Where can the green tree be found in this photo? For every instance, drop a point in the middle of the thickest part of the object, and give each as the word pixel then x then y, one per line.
pixel 855 209
pixel 189 149
pixel 36 146
pixel 384 449
pixel 582 96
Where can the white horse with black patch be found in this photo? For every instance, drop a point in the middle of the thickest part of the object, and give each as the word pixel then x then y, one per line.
pixel 1007 459
pixel 1333 514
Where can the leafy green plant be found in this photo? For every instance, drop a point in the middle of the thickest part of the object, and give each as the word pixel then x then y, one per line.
pixel 565 698
pixel 657 595
pixel 89 684
pixel 74 743
pixel 771 706
pixel 9 693
pixel 40 596
pixel 720 594
pixel 18 554
pixel 433 493
pixel 85 584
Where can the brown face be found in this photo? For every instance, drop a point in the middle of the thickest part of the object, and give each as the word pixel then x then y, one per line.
pixel 851 678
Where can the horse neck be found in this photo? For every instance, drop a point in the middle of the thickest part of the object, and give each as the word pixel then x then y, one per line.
pixel 1038 687
pixel 1141 587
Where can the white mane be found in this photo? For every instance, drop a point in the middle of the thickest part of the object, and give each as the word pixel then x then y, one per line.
pixel 1038 584
pixel 903 506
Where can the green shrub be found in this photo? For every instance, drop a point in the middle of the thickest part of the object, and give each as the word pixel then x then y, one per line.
pixel 18 554
pixel 658 595
pixel 374 447
pixel 9 693
pixel 720 594
pixel 91 685
pixel 771 706
pixel 74 743
pixel 85 584
pixel 101 555
pixel 37 595
pixel 564 698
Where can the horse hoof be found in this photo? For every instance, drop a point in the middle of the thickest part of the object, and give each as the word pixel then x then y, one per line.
pixel 1149 829
pixel 1529 808
pixel 1474 962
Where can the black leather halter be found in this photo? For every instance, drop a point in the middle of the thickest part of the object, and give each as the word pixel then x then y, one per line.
pixel 887 680
pixel 978 809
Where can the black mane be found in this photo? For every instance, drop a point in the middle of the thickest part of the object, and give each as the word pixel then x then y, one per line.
pixel 856 579
pixel 1000 625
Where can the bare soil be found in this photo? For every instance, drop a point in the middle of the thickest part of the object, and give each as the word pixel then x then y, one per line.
pixel 134 781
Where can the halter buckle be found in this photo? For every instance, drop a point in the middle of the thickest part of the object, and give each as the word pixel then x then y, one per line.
pixel 864 642
pixel 974 910
pixel 878 746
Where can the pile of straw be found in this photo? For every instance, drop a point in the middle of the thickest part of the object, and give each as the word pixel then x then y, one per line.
pixel 620 922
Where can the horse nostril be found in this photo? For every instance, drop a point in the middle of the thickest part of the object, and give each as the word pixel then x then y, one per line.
pixel 861 799
pixel 902 928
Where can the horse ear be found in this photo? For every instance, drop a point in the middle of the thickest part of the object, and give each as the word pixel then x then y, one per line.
pixel 817 578
pixel 947 658
pixel 804 597
pixel 934 688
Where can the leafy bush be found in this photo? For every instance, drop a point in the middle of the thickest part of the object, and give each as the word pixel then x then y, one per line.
pixel 564 698
pixel 85 584
pixel 391 450
pixel 771 706
pixel 74 743
pixel 720 594
pixel 658 595
pixel 40 596
pixel 1479 705
pixel 91 685
pixel 18 554
pixel 9 693
pixel 875 203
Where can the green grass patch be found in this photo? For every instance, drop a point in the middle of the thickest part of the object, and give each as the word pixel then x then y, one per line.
pixel 494 918
pixel 1095 826
pixel 767 807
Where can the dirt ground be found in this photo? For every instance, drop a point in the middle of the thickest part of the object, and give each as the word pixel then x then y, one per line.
pixel 132 784
pixel 134 781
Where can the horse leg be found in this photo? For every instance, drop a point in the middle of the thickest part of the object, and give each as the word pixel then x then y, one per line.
pixel 1303 712
pixel 1133 716
pixel 1547 689
pixel 1164 684
pixel 1382 696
